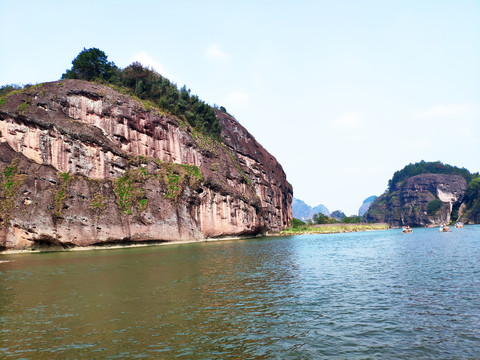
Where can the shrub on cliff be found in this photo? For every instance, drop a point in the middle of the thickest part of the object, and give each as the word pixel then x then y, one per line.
pixel 434 206
pixel 473 191
pixel 6 89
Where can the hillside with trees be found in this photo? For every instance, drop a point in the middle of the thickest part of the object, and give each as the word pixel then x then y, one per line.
pixel 424 167
pixel 428 193
pixel 109 155
pixel 147 85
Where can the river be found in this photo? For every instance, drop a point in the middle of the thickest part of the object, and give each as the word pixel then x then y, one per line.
pixel 380 294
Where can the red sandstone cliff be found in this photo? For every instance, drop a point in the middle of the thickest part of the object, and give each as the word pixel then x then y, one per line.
pixel 82 164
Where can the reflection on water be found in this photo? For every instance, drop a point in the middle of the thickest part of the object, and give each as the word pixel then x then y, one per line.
pixel 377 294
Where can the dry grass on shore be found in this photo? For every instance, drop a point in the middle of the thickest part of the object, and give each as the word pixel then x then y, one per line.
pixel 333 228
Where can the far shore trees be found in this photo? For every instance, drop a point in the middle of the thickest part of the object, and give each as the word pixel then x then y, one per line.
pixel 324 219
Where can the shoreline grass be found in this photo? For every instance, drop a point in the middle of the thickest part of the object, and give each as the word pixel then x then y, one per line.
pixel 333 228
pixel 302 230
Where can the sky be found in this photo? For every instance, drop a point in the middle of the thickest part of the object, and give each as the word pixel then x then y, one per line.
pixel 342 93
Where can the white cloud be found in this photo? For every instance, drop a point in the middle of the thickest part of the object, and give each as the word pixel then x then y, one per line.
pixel 237 98
pixel 215 54
pixel 347 121
pixel 148 61
pixel 440 111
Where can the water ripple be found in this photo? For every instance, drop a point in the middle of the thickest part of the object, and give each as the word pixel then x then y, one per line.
pixel 365 295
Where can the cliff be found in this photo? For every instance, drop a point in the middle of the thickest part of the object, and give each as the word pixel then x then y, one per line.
pixel 420 200
pixel 82 164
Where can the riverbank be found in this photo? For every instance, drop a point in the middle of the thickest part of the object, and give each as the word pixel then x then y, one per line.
pixel 333 228
pixel 312 229
pixel 123 245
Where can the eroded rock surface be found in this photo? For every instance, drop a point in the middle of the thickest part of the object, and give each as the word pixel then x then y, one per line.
pixel 83 164
pixel 407 203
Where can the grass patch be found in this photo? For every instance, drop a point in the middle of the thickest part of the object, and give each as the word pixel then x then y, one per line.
pixel 22 107
pixel 176 176
pixel 129 192
pixel 98 204
pixel 148 104
pixel 237 165
pixel 173 186
pixel 61 194
pixel 193 171
pixel 332 228
pixel 9 185
pixel 206 142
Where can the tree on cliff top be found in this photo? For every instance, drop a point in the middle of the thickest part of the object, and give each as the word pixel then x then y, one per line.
pixel 89 65
pixel 146 84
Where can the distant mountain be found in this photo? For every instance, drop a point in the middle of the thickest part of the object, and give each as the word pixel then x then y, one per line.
pixel 366 204
pixel 302 211
pixel 321 209
pixel 338 215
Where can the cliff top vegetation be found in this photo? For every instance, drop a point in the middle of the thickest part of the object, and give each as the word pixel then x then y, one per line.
pixel 144 83
pixel 424 167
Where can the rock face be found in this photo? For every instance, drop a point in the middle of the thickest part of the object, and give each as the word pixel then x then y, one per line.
pixel 82 164
pixel 408 203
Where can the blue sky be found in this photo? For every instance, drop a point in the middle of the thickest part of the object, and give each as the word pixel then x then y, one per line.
pixel 342 93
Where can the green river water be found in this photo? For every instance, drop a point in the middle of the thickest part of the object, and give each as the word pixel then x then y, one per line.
pixel 377 294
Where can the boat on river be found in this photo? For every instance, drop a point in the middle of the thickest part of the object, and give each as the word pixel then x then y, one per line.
pixel 458 225
pixel 444 228
pixel 407 230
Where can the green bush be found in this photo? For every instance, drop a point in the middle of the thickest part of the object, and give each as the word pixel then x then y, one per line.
pixel 10 182
pixel 354 219
pixel 323 219
pixel 473 191
pixel 129 192
pixel 295 223
pixel 434 207
pixel 22 107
